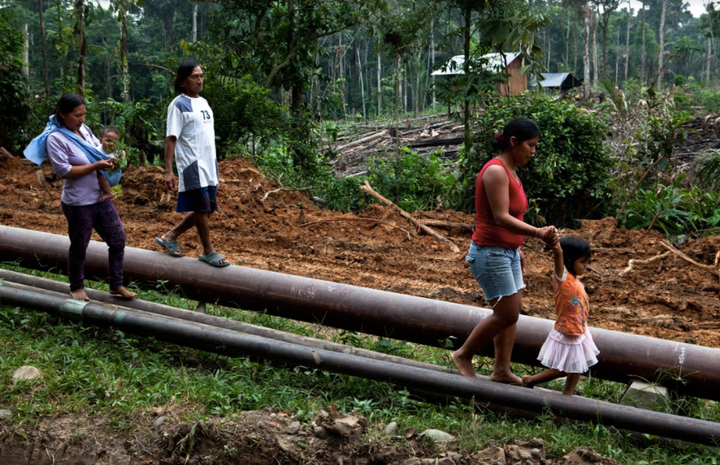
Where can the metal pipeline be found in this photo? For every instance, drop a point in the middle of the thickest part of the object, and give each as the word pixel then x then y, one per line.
pixel 685 368
pixel 234 344
pixel 47 286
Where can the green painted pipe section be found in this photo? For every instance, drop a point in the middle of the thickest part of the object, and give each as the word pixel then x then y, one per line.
pixel 72 309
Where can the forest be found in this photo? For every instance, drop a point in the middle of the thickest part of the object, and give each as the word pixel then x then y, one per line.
pixel 288 78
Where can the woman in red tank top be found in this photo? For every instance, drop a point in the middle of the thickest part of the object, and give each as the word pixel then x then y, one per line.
pixel 495 259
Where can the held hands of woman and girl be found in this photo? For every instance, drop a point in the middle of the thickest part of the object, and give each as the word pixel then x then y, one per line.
pixel 495 258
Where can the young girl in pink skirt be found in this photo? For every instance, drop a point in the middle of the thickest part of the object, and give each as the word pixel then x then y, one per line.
pixel 569 349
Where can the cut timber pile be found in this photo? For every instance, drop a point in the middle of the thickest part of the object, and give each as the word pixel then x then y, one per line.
pixel 422 135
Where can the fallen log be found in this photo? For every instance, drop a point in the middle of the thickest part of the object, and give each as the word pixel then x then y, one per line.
pixel 633 262
pixel 369 190
pixel 362 140
pixel 5 154
pixel 438 142
pixel 447 224
pixel 713 269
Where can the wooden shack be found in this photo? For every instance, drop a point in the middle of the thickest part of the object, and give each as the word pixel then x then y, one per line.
pixel 509 63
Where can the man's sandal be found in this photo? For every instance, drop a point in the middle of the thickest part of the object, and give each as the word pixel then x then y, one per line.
pixel 171 247
pixel 213 259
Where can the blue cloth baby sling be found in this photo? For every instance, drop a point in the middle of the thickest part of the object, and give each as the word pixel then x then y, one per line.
pixel 36 151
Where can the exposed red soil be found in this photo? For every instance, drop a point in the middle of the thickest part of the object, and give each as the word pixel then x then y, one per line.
pixel 262 227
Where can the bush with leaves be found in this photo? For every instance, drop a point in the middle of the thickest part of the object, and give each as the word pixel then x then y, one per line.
pixel 245 116
pixel 707 169
pixel 408 179
pixel 568 178
pixel 672 209
pixel 412 181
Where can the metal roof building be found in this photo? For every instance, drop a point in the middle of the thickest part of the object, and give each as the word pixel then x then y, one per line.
pixel 557 81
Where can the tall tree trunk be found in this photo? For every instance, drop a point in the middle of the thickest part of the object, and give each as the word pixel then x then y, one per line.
pixel 549 51
pixel 575 48
pixel 617 57
pixel 362 84
pixel 379 83
pixel 627 41
pixel 567 44
pixel 586 53
pixel 709 43
pixel 195 15
pixel 43 44
pixel 417 105
pixel 82 46
pixel 122 18
pixel 169 26
pixel 396 103
pixel 26 51
pixel 644 45
pixel 432 59
pixel 466 69
pixel 661 54
pixel 604 73
pixel 404 89
pixel 707 59
pixel 596 68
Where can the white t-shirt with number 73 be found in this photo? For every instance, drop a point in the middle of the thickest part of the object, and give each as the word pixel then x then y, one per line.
pixel 190 120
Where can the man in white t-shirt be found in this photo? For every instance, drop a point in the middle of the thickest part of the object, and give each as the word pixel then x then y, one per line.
pixel 190 142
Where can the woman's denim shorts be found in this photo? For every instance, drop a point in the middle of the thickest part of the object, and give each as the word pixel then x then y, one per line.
pixel 496 269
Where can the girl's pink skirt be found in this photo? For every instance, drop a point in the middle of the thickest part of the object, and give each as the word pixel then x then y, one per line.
pixel 571 354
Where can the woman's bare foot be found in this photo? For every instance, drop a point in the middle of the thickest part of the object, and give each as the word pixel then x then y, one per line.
pixel 122 292
pixel 105 196
pixel 79 294
pixel 464 366
pixel 506 378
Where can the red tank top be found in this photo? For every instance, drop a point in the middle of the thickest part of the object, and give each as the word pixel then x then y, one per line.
pixel 487 232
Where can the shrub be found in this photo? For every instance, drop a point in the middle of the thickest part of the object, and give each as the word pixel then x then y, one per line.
pixel 672 209
pixel 411 181
pixel 707 169
pixel 245 116
pixel 568 177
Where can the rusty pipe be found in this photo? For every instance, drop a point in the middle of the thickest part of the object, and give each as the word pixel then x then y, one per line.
pixel 235 344
pixel 31 283
pixel 47 286
pixel 685 368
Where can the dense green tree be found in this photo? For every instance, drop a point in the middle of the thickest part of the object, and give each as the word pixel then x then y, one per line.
pixel 277 43
pixel 14 97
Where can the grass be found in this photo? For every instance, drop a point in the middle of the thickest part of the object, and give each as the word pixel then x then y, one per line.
pixel 108 373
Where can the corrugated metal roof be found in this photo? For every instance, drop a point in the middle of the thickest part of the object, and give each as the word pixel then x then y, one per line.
pixel 495 62
pixel 555 80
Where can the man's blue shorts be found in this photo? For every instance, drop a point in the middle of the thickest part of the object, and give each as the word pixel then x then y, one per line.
pixel 198 200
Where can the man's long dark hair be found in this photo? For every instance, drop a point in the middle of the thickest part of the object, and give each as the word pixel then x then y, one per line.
pixel 184 71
